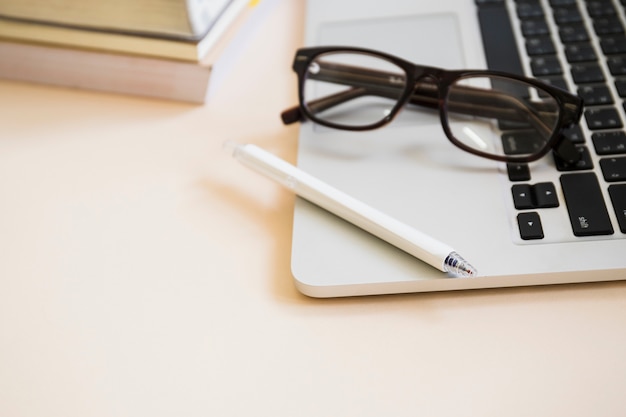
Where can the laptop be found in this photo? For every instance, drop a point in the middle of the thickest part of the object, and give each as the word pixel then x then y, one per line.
pixel 409 170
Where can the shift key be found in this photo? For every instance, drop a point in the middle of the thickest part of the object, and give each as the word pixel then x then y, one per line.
pixel 585 205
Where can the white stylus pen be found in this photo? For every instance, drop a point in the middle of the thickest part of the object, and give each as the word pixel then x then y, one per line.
pixel 410 240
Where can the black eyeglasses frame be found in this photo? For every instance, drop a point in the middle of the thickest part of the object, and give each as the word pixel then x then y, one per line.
pixel 570 105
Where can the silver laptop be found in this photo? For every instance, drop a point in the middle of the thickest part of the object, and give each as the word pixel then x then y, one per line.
pixel 410 170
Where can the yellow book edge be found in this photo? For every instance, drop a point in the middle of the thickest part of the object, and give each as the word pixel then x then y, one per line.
pixel 124 43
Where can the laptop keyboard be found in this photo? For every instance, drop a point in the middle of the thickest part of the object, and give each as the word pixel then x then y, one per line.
pixel 579 46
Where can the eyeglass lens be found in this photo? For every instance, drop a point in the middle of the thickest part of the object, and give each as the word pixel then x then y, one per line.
pixel 352 89
pixel 522 116
pixel 490 114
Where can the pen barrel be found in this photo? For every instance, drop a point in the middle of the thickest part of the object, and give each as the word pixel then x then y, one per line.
pixel 379 224
pixel 410 240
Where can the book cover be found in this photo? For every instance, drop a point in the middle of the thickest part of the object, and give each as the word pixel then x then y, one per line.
pixel 131 74
pixel 120 41
pixel 185 19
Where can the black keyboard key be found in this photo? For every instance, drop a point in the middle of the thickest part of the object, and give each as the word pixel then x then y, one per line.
pixel 618 198
pixel 561 3
pixel 580 52
pixel 601 9
pixel 519 142
pixel 573 33
pixel 620 84
pixel 522 196
pixel 518 172
pixel 595 94
pixel 528 10
pixel 608 143
pixel 498 39
pixel 614 44
pixel 582 164
pixel 603 118
pixel 535 27
pixel 530 226
pixel 546 65
pixel 565 15
pixel 545 195
pixel 555 81
pixel 613 169
pixel 607 26
pixel 587 73
pixel 540 46
pixel 574 134
pixel 585 205
pixel 617 64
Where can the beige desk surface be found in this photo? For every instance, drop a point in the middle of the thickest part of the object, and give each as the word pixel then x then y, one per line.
pixel 145 273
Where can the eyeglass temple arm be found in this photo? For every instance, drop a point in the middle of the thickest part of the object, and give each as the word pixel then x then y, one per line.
pixel 372 82
pixel 293 114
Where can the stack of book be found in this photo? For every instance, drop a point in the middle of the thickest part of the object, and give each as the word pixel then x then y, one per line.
pixel 155 48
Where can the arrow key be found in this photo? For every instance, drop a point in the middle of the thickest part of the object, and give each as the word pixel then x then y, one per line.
pixel 522 196
pixel 530 226
pixel 545 195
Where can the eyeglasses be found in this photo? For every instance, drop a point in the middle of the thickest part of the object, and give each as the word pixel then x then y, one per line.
pixel 359 89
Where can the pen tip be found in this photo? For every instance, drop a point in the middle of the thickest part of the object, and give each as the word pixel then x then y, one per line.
pixel 455 264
